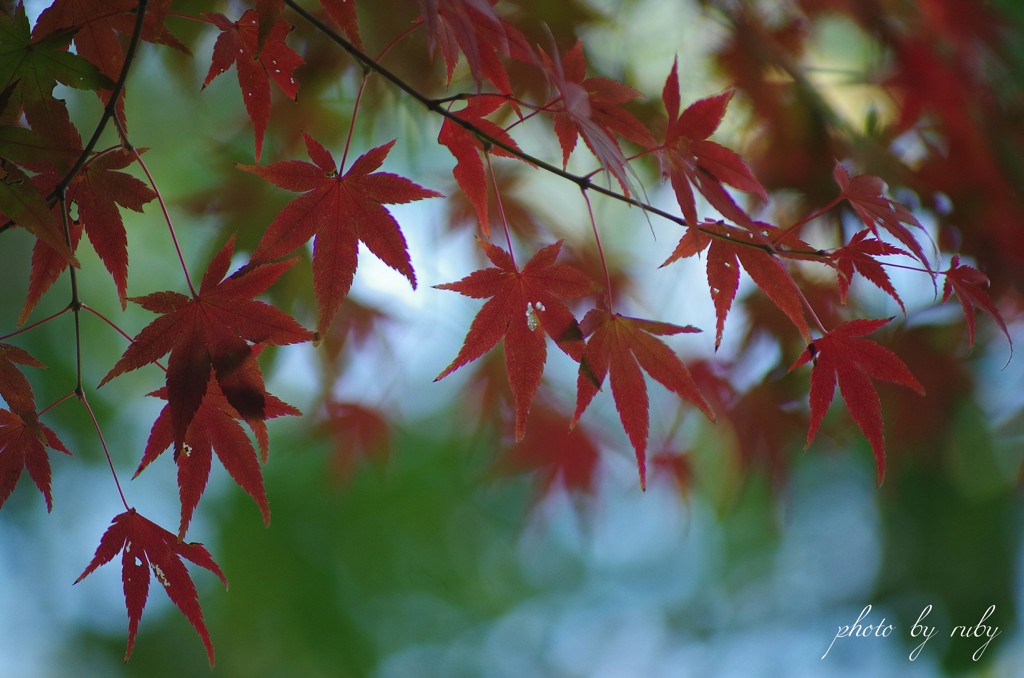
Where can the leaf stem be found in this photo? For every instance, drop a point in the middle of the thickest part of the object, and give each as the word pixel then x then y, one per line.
pixel 26 328
pixel 437 106
pixel 352 121
pixel 501 210
pixel 103 444
pixel 600 250
pixel 813 215
pixel 163 208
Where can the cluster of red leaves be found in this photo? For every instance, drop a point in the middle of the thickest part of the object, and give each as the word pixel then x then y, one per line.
pixel 55 189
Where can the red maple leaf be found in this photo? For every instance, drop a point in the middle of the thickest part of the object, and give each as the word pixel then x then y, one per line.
pixel 592 108
pixel 728 249
pixel 357 432
pixel 471 27
pixel 146 546
pixel 554 453
pixel 859 255
pixel 466 147
pixel 689 159
pixel 239 44
pixel 14 387
pixel 970 284
pixel 842 357
pixel 622 345
pixel 344 13
pixel 864 193
pixel 31 66
pixel 214 428
pixel 97 190
pixel 23 443
pixel 47 266
pixel 22 203
pixel 212 331
pixel 522 306
pixel 340 210
pixel 96 24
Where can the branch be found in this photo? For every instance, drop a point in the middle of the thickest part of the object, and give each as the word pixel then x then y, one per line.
pixel 108 112
pixel 438 106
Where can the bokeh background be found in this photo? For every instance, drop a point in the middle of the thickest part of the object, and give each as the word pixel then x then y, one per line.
pixel 422 543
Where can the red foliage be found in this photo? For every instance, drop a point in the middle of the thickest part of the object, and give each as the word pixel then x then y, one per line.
pixel 211 334
pixel 146 546
pixel 57 189
pixel 688 158
pixel 621 346
pixel 523 305
pixel 324 210
pixel 842 357
pixel 257 64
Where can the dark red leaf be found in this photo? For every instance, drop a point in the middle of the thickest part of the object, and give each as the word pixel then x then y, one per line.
pixel 471 27
pixel 325 210
pixel 592 108
pixel 466 147
pixel 688 159
pixel 859 255
pixel 728 249
pixel 970 286
pixel 14 387
pixel 146 546
pixel 98 190
pixel 864 193
pixel 842 357
pixel 96 23
pixel 23 443
pixel 239 44
pixel 522 305
pixel 213 429
pixel 344 13
pixel 621 346
pixel 212 331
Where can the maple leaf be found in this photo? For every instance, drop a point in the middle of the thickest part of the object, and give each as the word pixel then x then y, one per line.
pixel 33 65
pixel 728 249
pixel 841 356
pixel 522 305
pixel 689 159
pixel 22 203
pixel 239 44
pixel 864 193
pixel 47 266
pixel 466 147
pixel 592 108
pixel 146 546
pixel 344 14
pixel 96 23
pixel 621 345
pixel 212 331
pixel 969 284
pixel 859 255
pixel 213 429
pixel 356 431
pixel 98 189
pixel 340 210
pixel 23 443
pixel 14 387
pixel 556 454
pixel 471 27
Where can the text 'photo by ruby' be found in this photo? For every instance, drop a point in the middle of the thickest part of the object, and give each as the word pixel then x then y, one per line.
pixel 865 627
